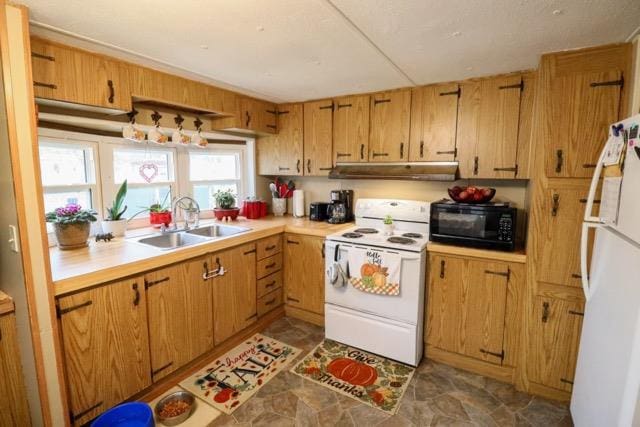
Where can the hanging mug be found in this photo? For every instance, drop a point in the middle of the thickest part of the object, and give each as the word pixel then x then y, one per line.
pixel 156 136
pixel 180 138
pixel 199 140
pixel 132 134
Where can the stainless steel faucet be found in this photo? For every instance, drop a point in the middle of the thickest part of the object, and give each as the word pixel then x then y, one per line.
pixel 178 202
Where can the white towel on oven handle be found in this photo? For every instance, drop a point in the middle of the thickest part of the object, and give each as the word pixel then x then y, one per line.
pixel 387 263
pixel 338 270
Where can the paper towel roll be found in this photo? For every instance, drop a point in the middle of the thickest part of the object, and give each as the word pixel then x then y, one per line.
pixel 298 203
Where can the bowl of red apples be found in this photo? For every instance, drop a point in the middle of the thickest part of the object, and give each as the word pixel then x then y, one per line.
pixel 471 194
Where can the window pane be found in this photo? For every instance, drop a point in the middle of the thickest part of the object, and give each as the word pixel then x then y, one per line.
pixel 203 193
pixel 56 200
pixel 66 165
pixel 140 198
pixel 155 165
pixel 213 166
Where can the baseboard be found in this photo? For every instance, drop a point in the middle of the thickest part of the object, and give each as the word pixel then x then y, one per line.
pixel 548 392
pixel 500 373
pixel 307 316
pixel 191 368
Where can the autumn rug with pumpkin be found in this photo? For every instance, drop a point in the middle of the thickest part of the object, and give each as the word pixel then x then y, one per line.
pixel 237 375
pixel 366 377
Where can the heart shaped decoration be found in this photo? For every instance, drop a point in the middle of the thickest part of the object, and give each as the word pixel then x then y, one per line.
pixel 148 171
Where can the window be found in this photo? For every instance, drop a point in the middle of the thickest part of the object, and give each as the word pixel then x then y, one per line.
pixel 68 174
pixel 210 171
pixel 150 175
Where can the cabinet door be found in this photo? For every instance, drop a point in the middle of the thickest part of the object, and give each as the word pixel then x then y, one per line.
pixel 558 238
pixel 281 154
pixel 390 120
pixel 14 409
pixel 434 113
pixel 467 129
pixel 555 338
pixel 106 347
pixel 351 129
pixel 180 319
pixel 318 137
pixel 234 293
pixel 304 272
pixel 257 115
pixel 581 106
pixel 76 76
pixel 485 301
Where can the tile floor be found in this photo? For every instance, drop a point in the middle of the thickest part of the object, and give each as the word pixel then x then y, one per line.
pixel 438 395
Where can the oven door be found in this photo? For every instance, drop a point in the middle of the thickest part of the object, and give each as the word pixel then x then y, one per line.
pixel 407 307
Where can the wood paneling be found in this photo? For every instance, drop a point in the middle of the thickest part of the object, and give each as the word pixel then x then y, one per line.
pixel 106 346
pixel 281 154
pixel 269 265
pixel 390 122
pixel 14 409
pixel 180 319
pixel 304 272
pixel 351 129
pixel 269 246
pixel 72 75
pixel 434 114
pixel 269 283
pixel 234 293
pixel 318 137
pixel 555 335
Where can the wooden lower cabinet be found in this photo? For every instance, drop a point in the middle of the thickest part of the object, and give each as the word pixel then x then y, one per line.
pixel 304 272
pixel 554 338
pixel 180 315
pixel 14 409
pixel 106 346
pixel 234 292
pixel 471 303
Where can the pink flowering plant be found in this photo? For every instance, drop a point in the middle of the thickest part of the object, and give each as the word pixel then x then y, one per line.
pixel 72 213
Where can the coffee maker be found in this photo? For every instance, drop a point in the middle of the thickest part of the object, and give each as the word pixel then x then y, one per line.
pixel 341 206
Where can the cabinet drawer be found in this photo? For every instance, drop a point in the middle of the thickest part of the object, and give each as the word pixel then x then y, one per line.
pixel 269 246
pixel 269 265
pixel 269 283
pixel 269 302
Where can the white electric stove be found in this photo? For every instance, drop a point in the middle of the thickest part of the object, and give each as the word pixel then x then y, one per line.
pixel 387 325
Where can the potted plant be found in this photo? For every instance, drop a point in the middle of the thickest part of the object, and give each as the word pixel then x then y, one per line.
pixel 160 213
pixel 114 223
pixel 388 225
pixel 72 225
pixel 225 205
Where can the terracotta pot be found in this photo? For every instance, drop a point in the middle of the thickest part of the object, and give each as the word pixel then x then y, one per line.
pixel 231 213
pixel 158 218
pixel 72 236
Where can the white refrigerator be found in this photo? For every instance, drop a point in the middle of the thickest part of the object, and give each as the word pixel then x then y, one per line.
pixel 607 380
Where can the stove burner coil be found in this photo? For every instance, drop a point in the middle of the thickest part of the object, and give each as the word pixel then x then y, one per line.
pixel 365 230
pixel 400 240
pixel 412 235
pixel 352 235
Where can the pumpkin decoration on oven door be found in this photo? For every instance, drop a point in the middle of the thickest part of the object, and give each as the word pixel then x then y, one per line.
pixel 353 372
pixel 373 275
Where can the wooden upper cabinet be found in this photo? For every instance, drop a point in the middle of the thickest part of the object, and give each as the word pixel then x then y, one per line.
pixel 318 137
pixel 434 114
pixel 488 127
pixel 257 115
pixel 304 272
pixel 390 122
pixel 581 108
pixel 281 154
pixel 106 346
pixel 234 292
pixel 180 315
pixel 67 74
pixel 554 341
pixel 351 129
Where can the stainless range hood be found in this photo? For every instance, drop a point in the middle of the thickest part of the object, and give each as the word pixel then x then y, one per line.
pixel 415 171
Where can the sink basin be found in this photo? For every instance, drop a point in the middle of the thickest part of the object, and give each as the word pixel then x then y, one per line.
pixel 216 230
pixel 172 240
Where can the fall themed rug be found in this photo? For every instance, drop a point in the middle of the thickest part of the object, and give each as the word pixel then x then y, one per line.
pixel 234 377
pixel 370 379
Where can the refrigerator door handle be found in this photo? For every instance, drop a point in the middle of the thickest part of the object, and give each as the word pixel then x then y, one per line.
pixel 588 217
pixel 584 249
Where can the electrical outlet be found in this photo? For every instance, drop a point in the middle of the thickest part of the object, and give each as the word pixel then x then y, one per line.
pixel 14 244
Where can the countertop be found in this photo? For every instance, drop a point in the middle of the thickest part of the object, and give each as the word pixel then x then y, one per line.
pixel 518 255
pixel 106 261
pixel 6 304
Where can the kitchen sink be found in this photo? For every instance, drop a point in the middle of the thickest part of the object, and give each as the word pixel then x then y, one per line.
pixel 216 230
pixel 172 240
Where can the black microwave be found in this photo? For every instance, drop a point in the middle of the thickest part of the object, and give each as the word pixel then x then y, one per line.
pixel 487 225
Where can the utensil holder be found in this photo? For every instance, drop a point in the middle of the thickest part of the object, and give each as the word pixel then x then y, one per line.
pixel 279 206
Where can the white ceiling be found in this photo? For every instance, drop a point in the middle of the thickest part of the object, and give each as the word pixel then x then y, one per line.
pixel 292 50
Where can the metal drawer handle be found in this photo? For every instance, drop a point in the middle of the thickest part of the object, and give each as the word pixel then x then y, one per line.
pixel 270 248
pixel 325 169
pixel 380 101
pixel 343 154
pixel 361 151
pixel 343 106
pixel 585 201
pixel 454 152
pixel 559 161
pixel 491 353
pixel 442 263
pixel 309 165
pixel 506 274
pixel 545 312
pixel 273 264
pixel 576 313
pixel 475 165
pixel 47 85
pixel 292 299
pixel 112 92
pixel 293 242
pixel 42 56
pixel 270 284
pixel 136 298
pixel 556 204
pixel 379 154
pixel 148 284
pixel 298 166
pixel 421 149
pixel 75 307
pixel 280 168
pixel 252 251
pixel 161 368
pixel 402 150
pixel 271 301
pixel 609 83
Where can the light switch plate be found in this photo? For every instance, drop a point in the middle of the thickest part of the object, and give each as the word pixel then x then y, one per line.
pixel 14 244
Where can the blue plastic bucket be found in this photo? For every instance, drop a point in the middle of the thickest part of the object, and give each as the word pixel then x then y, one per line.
pixel 134 414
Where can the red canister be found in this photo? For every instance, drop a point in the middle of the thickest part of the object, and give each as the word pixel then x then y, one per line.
pixel 263 208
